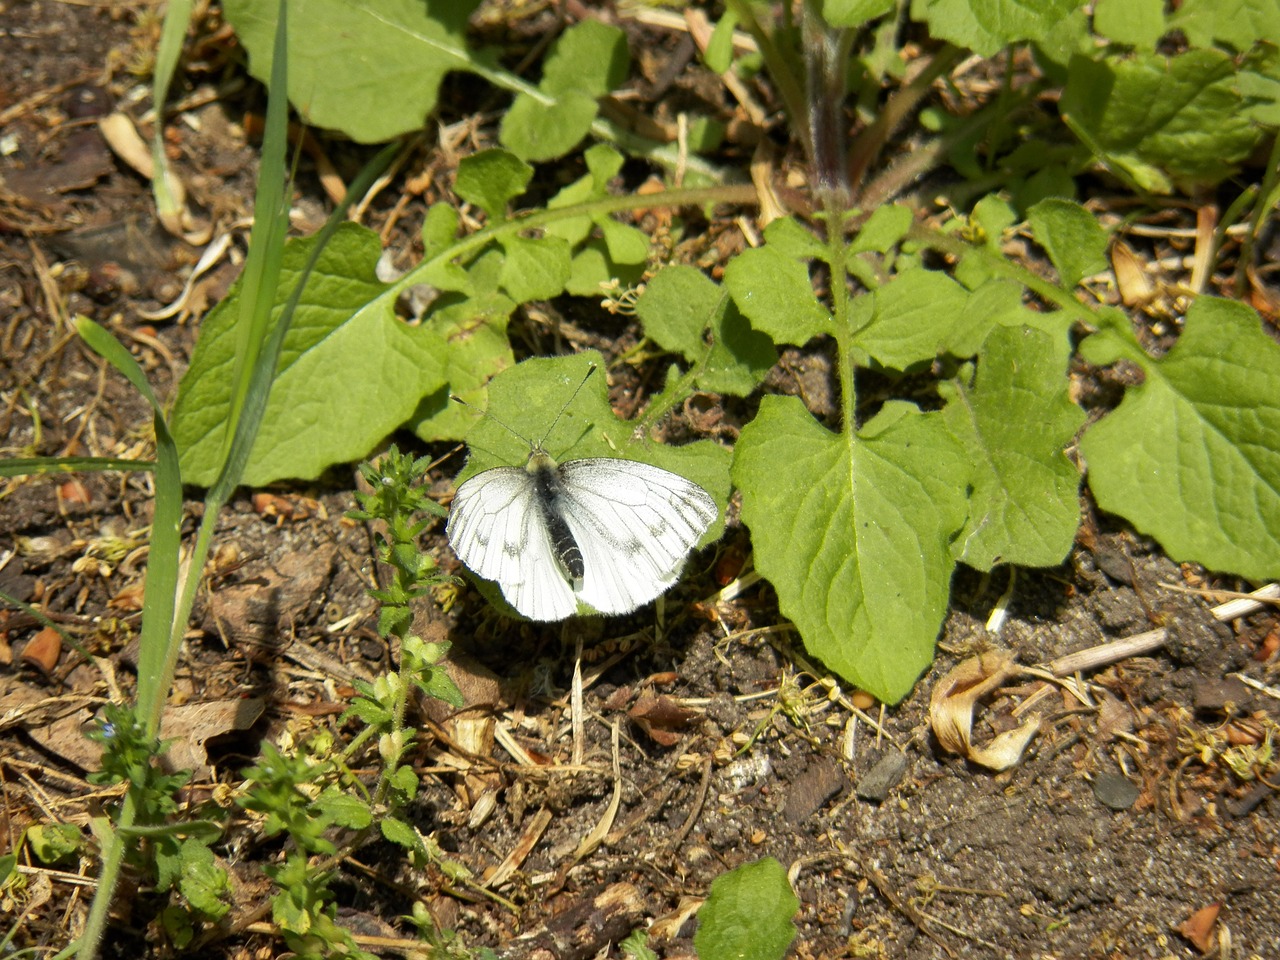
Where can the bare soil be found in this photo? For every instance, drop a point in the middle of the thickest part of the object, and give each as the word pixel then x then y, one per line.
pixel 1120 824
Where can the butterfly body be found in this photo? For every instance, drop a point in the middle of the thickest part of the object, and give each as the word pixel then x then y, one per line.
pixel 610 533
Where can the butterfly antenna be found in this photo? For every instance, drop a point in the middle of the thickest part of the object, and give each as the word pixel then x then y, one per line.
pixel 573 396
pixel 485 413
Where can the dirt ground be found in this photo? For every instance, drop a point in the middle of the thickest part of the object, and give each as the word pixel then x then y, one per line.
pixel 1122 822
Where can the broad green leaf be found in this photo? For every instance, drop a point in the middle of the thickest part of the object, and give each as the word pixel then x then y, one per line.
pixel 370 68
pixel 1015 422
pixel 1161 121
pixel 855 532
pixel 775 293
pixel 1071 236
pixel 1190 457
pixel 491 179
pixel 1138 23
pixel 853 13
pixel 678 306
pixel 542 128
pixel 535 268
pixel 350 371
pixel 1260 84
pixel 748 915
pixel 985 26
pixel 912 318
pixel 400 833
pixel 527 399
pixel 1238 23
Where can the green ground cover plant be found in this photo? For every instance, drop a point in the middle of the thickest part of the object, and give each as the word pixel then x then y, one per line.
pixel 957 455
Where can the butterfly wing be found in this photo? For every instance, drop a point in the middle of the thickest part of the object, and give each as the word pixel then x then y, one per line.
pixel 497 530
pixel 634 524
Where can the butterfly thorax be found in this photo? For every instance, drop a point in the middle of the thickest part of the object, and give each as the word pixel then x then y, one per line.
pixel 549 490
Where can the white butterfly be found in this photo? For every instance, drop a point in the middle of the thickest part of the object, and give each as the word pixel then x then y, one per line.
pixel 612 534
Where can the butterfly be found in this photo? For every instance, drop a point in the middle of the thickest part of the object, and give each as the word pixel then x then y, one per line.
pixel 609 533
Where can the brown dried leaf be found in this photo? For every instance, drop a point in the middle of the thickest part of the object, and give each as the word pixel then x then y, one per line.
pixel 1200 926
pixel 661 718
pixel 954 700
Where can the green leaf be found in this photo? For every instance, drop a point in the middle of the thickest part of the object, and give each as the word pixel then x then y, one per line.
pixel 350 371
pixel 854 532
pixel 540 128
pixel 719 53
pixel 1138 23
pixel 1024 507
pixel 491 179
pixel 400 833
pixel 54 842
pixel 883 230
pixel 589 58
pixel 1237 23
pixel 748 914
pixel 912 319
pixel 1190 456
pixel 527 398
pixel 370 69
pixel 535 268
pixel 1161 121
pixel 204 883
pixel 344 809
pixel 1071 236
pixel 853 13
pixel 775 293
pixel 679 305
pixel 985 26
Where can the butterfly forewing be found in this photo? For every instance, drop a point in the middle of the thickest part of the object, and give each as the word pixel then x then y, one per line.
pixel 495 530
pixel 634 524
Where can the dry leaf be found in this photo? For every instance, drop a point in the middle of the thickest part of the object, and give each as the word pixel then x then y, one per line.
pixel 951 711
pixel 1199 928
pixel 661 718
pixel 1131 276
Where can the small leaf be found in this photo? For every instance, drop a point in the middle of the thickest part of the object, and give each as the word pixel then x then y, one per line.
pixel 883 229
pixel 491 179
pixel 1237 23
pixel 853 13
pixel 986 26
pixel 952 704
pixel 775 293
pixel 1190 456
pixel 913 318
pixel 400 833
pixel 854 533
pixel 589 58
pixel 678 306
pixel 534 268
pixel 1138 23
pixel 538 128
pixel 748 914
pixel 1074 240
pixel 344 809
pixel 1024 508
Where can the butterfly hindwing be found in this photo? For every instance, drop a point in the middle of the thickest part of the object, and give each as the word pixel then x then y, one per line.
pixel 634 524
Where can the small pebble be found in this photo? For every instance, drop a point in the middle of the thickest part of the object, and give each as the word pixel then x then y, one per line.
pixel 1114 791
pixel 877 782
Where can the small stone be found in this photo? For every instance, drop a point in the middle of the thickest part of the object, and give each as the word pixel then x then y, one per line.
pixel 1114 791
pixel 877 782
